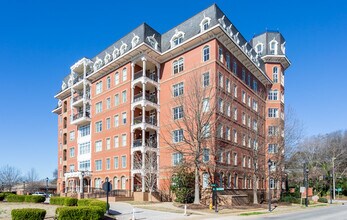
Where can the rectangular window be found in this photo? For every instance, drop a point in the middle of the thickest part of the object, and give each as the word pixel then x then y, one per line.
pixel 255 105
pixel 235 136
pixel 235 114
pixel 124 118
pixel 227 85
pixel 206 105
pixel 273 130
pixel 235 67
pixel 116 120
pixel 243 96
pixel 228 61
pixel 72 152
pixel 178 112
pixel 177 158
pixel 84 165
pixel 108 143
pixel 116 162
pixel 98 107
pixel 116 100
pixel 116 78
pixel 98 146
pixel 206 52
pixel 116 141
pixel 206 131
pixel 124 140
pixel 220 54
pixel 98 165
pixel 178 135
pixel 255 125
pixel 244 140
pixel 235 90
pixel 124 161
pixel 228 158
pixel 220 105
pixel 206 79
pixel 98 126
pixel 108 103
pixel 228 133
pixel 272 148
pixel 273 112
pixel 206 155
pixel 84 130
pixel 228 110
pixel 178 89
pixel 235 159
pixel 125 74
pixel 244 161
pixel 108 123
pixel 72 135
pixel 72 168
pixel 244 75
pixel 98 87
pixel 243 118
pixel 273 95
pixel 84 148
pixel 249 101
pixel 124 96
pixel 220 80
pixel 108 164
pixel 255 85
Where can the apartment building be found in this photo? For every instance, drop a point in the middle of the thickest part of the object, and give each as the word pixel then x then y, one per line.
pixel 117 111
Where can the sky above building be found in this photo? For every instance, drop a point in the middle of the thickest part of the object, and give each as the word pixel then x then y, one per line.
pixel 40 40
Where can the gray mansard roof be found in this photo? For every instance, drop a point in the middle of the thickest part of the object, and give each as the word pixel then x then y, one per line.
pixel 188 29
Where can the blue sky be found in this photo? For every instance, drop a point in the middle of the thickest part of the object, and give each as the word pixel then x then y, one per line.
pixel 40 40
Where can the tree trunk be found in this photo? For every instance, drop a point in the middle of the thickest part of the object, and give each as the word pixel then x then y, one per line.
pixel 255 190
pixel 197 187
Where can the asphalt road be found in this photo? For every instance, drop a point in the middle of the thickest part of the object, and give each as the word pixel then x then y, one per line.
pixel 336 212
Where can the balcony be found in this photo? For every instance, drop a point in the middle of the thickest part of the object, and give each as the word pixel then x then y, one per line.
pixel 78 79
pixel 80 118
pixel 148 97
pixel 148 120
pixel 137 145
pixel 152 76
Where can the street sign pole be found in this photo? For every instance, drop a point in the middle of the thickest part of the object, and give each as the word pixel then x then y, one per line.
pixel 108 189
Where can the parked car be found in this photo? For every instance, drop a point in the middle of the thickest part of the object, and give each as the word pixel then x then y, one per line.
pixel 39 194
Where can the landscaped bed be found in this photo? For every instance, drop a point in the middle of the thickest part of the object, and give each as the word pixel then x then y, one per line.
pixel 7 207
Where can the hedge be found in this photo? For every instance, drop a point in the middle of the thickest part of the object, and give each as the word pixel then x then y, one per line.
pixel 93 202
pixel 15 198
pixel 35 199
pixel 28 214
pixel 2 196
pixel 79 213
pixel 323 200
pixel 290 199
pixel 84 202
pixel 65 201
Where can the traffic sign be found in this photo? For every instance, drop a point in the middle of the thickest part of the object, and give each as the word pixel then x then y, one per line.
pixel 302 189
pixel 107 186
pixel 219 189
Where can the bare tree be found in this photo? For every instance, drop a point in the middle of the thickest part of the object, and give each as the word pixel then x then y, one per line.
pixel 148 162
pixel 10 176
pixel 194 124
pixel 31 179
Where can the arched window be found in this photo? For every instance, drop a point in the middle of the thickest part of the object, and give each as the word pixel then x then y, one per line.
pixel 123 48
pixel 206 53
pixel 177 38
pixel 204 24
pixel 275 74
pixel 115 182
pixel 235 181
pixel 259 49
pixel 123 179
pixel 235 67
pixel 273 47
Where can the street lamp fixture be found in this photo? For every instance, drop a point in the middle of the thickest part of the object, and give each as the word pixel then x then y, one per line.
pixel 269 163
pixel 47 186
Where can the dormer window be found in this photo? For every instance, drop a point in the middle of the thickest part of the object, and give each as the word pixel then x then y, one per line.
pixel 153 41
pixel 273 47
pixel 177 38
pixel 259 49
pixel 123 48
pixel 205 23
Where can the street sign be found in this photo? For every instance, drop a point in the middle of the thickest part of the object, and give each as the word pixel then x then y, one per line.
pixel 219 189
pixel 339 189
pixel 107 186
pixel 302 189
pixel 213 184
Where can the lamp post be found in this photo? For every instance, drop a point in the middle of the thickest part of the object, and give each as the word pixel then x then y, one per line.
pixel 82 184
pixel 47 186
pixel 306 183
pixel 23 187
pixel 269 163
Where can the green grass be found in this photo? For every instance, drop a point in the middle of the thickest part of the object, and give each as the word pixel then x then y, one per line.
pixel 252 213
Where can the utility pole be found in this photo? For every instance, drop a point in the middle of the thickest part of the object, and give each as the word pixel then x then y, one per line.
pixel 333 160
